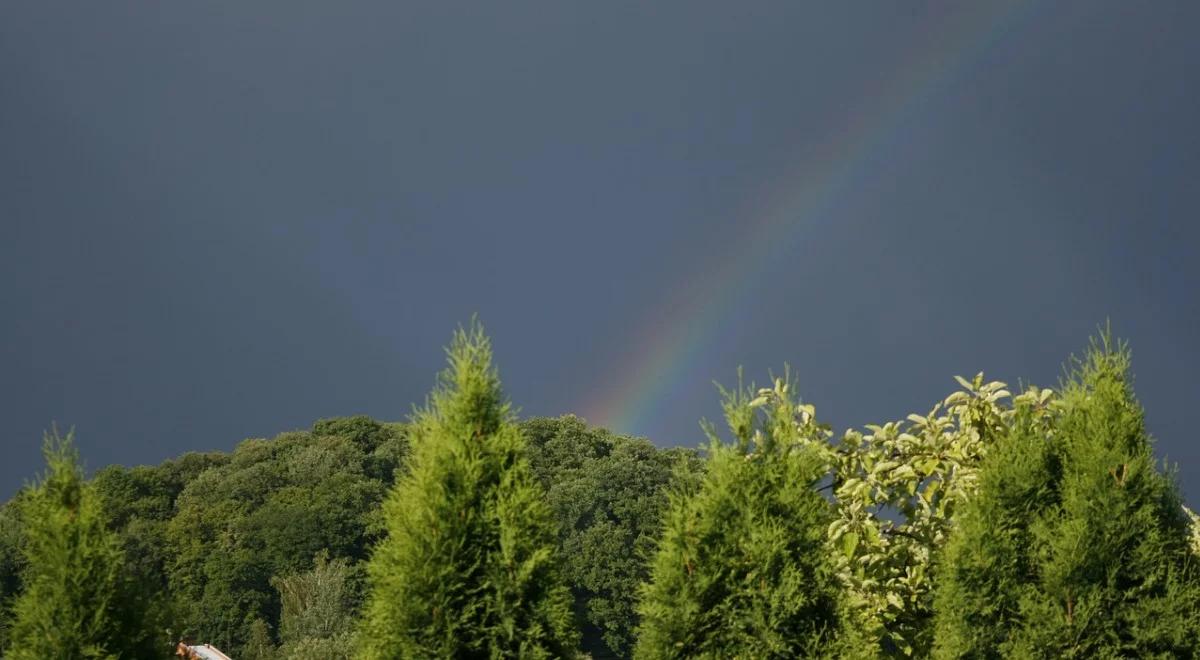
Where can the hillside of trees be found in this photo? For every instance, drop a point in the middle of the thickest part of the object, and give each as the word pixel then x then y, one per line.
pixel 215 533
pixel 994 525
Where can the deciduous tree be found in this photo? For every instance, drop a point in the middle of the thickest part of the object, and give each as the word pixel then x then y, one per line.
pixel 316 618
pixel 897 487
pixel 607 493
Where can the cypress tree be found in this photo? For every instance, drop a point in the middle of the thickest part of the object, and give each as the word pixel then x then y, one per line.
pixel 467 569
pixel 741 569
pixel 1075 546
pixel 78 601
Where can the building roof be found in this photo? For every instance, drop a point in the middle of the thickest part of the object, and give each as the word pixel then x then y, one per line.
pixel 200 652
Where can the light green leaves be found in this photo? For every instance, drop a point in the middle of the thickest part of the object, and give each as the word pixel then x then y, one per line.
pixel 486 576
pixel 849 544
pixel 896 488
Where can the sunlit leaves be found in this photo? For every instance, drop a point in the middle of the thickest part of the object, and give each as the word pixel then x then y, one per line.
pixel 468 565
pixel 78 600
pixel 896 486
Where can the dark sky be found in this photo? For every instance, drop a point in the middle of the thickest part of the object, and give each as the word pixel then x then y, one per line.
pixel 224 220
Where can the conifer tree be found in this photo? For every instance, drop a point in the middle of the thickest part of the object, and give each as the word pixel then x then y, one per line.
pixel 742 569
pixel 77 600
pixel 467 569
pixel 1075 545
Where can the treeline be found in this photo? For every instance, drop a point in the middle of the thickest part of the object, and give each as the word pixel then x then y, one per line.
pixel 214 538
pixel 994 525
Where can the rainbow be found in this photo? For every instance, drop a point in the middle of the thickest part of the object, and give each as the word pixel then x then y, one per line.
pixel 664 348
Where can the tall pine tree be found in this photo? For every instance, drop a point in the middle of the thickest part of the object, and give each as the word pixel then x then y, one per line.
pixel 467 569
pixel 742 569
pixel 78 600
pixel 1075 546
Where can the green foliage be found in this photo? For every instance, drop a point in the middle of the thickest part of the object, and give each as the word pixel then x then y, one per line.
pixel 259 645
pixel 316 620
pixel 897 487
pixel 1075 546
pixel 607 493
pixel 1040 519
pixel 139 503
pixel 266 510
pixel 77 600
pixel 1195 529
pixel 741 570
pixel 12 562
pixel 468 566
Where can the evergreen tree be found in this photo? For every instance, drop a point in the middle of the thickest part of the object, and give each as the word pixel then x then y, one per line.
pixel 467 568
pixel 77 600
pixel 1075 546
pixel 742 569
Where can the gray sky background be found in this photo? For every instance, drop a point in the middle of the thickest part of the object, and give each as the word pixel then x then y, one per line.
pixel 224 220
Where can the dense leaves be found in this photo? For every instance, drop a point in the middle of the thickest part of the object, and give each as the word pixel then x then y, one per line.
pixel 741 570
pixel 468 566
pixel 607 493
pixel 897 487
pixel 11 562
pixel 268 511
pixel 77 600
pixel 1034 525
pixel 607 483
pixel 317 617
pixel 139 504
pixel 1076 546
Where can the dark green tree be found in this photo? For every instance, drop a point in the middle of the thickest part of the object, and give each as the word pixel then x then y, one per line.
pixel 1075 545
pixel 607 493
pixel 742 569
pixel 265 510
pixel 138 503
pixel 11 562
pixel 468 567
pixel 78 600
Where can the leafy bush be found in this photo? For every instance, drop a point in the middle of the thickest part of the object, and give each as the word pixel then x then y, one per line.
pixel 897 488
